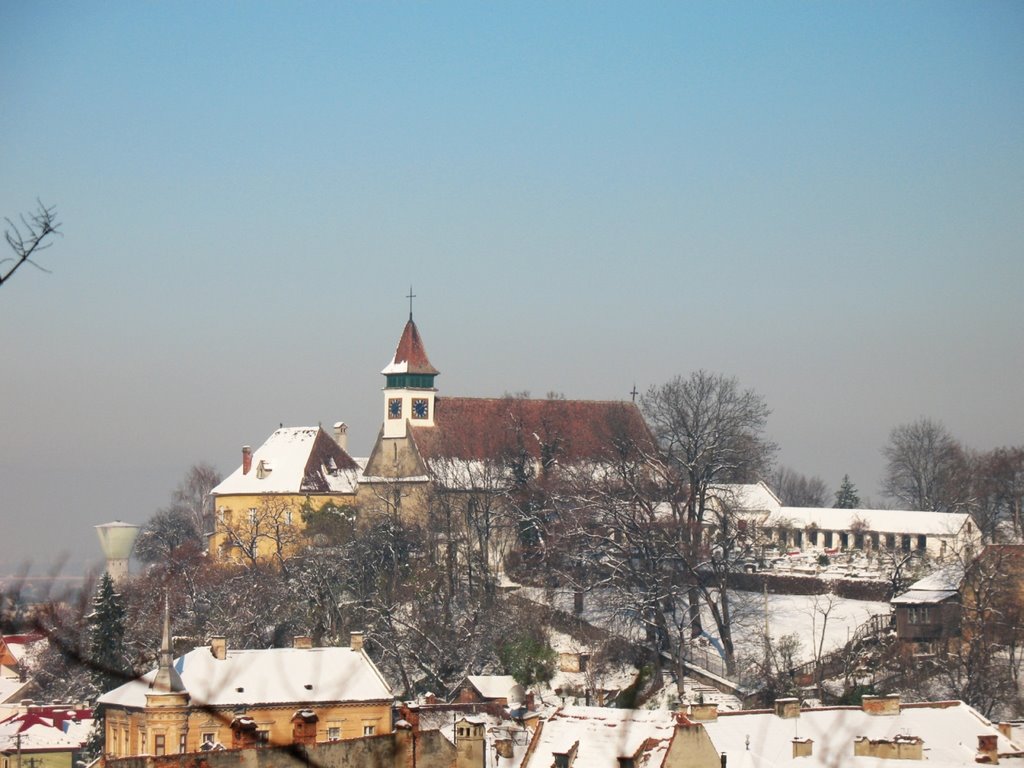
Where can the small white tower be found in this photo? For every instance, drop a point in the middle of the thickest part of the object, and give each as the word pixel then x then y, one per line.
pixel 117 540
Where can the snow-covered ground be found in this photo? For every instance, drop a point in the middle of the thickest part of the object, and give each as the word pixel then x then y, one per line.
pixel 808 617
pixel 827 621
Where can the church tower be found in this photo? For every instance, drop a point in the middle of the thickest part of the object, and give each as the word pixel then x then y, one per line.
pixel 409 385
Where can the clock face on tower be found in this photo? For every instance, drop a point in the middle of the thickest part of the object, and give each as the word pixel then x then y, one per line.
pixel 395 408
pixel 420 407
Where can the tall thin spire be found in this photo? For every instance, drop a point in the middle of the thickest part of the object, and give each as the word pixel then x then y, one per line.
pixel 410 297
pixel 167 679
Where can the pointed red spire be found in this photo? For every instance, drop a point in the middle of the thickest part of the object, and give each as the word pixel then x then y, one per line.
pixel 410 356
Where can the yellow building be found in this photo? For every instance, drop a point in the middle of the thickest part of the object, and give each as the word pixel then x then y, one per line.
pixel 259 507
pixel 215 697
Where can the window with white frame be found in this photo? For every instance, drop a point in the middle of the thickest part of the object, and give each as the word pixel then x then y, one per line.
pixel 919 614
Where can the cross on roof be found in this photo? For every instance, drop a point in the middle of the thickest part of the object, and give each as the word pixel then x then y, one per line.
pixel 410 297
pixel 633 392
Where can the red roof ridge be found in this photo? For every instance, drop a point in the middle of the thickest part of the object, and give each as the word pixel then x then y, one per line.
pixel 517 399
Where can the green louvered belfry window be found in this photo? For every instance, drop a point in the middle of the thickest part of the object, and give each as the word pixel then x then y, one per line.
pixel 410 381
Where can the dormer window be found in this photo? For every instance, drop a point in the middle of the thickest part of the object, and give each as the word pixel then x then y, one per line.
pixel 263 469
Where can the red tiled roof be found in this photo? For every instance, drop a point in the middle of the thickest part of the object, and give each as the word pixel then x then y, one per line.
pixel 324 451
pixel 23 639
pixel 412 352
pixel 567 430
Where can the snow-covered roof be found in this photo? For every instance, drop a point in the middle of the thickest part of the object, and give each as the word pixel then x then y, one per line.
pixel 36 737
pixel 936 587
pixel 875 520
pixel 601 736
pixel 947 579
pixel 747 496
pixel 493 686
pixel 949 730
pixel 12 689
pixel 758 497
pixel 922 596
pixel 18 645
pixel 295 460
pixel 40 733
pixel 292 676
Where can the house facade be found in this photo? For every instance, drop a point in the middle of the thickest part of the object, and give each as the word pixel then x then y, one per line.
pixel 259 508
pixel 214 697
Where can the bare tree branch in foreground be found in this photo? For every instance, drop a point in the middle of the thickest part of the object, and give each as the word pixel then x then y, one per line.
pixel 37 226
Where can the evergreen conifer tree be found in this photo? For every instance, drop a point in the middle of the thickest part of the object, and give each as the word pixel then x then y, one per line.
pixel 107 658
pixel 847 496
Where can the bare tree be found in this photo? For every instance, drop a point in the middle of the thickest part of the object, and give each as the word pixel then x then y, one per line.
pixel 999 493
pixel 985 670
pixel 184 522
pixel 712 431
pixel 164 533
pixel 798 490
pixel 30 238
pixel 927 468
pixel 268 531
pixel 192 495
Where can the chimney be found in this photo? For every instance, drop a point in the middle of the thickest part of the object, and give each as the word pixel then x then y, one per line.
pixel 356 641
pixel 881 705
pixel 895 748
pixel 1006 729
pixel 703 713
pixel 219 647
pixel 302 641
pixel 988 749
pixel 246 459
pixel 531 701
pixel 341 435
pixel 430 698
pixel 411 714
pixel 802 747
pixel 404 740
pixel 787 709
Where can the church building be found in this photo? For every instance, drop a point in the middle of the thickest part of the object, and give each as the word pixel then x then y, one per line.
pixel 431 442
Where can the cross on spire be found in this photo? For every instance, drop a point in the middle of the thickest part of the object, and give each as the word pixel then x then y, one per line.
pixel 633 392
pixel 410 297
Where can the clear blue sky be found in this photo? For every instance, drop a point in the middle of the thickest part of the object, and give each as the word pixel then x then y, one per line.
pixel 825 200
